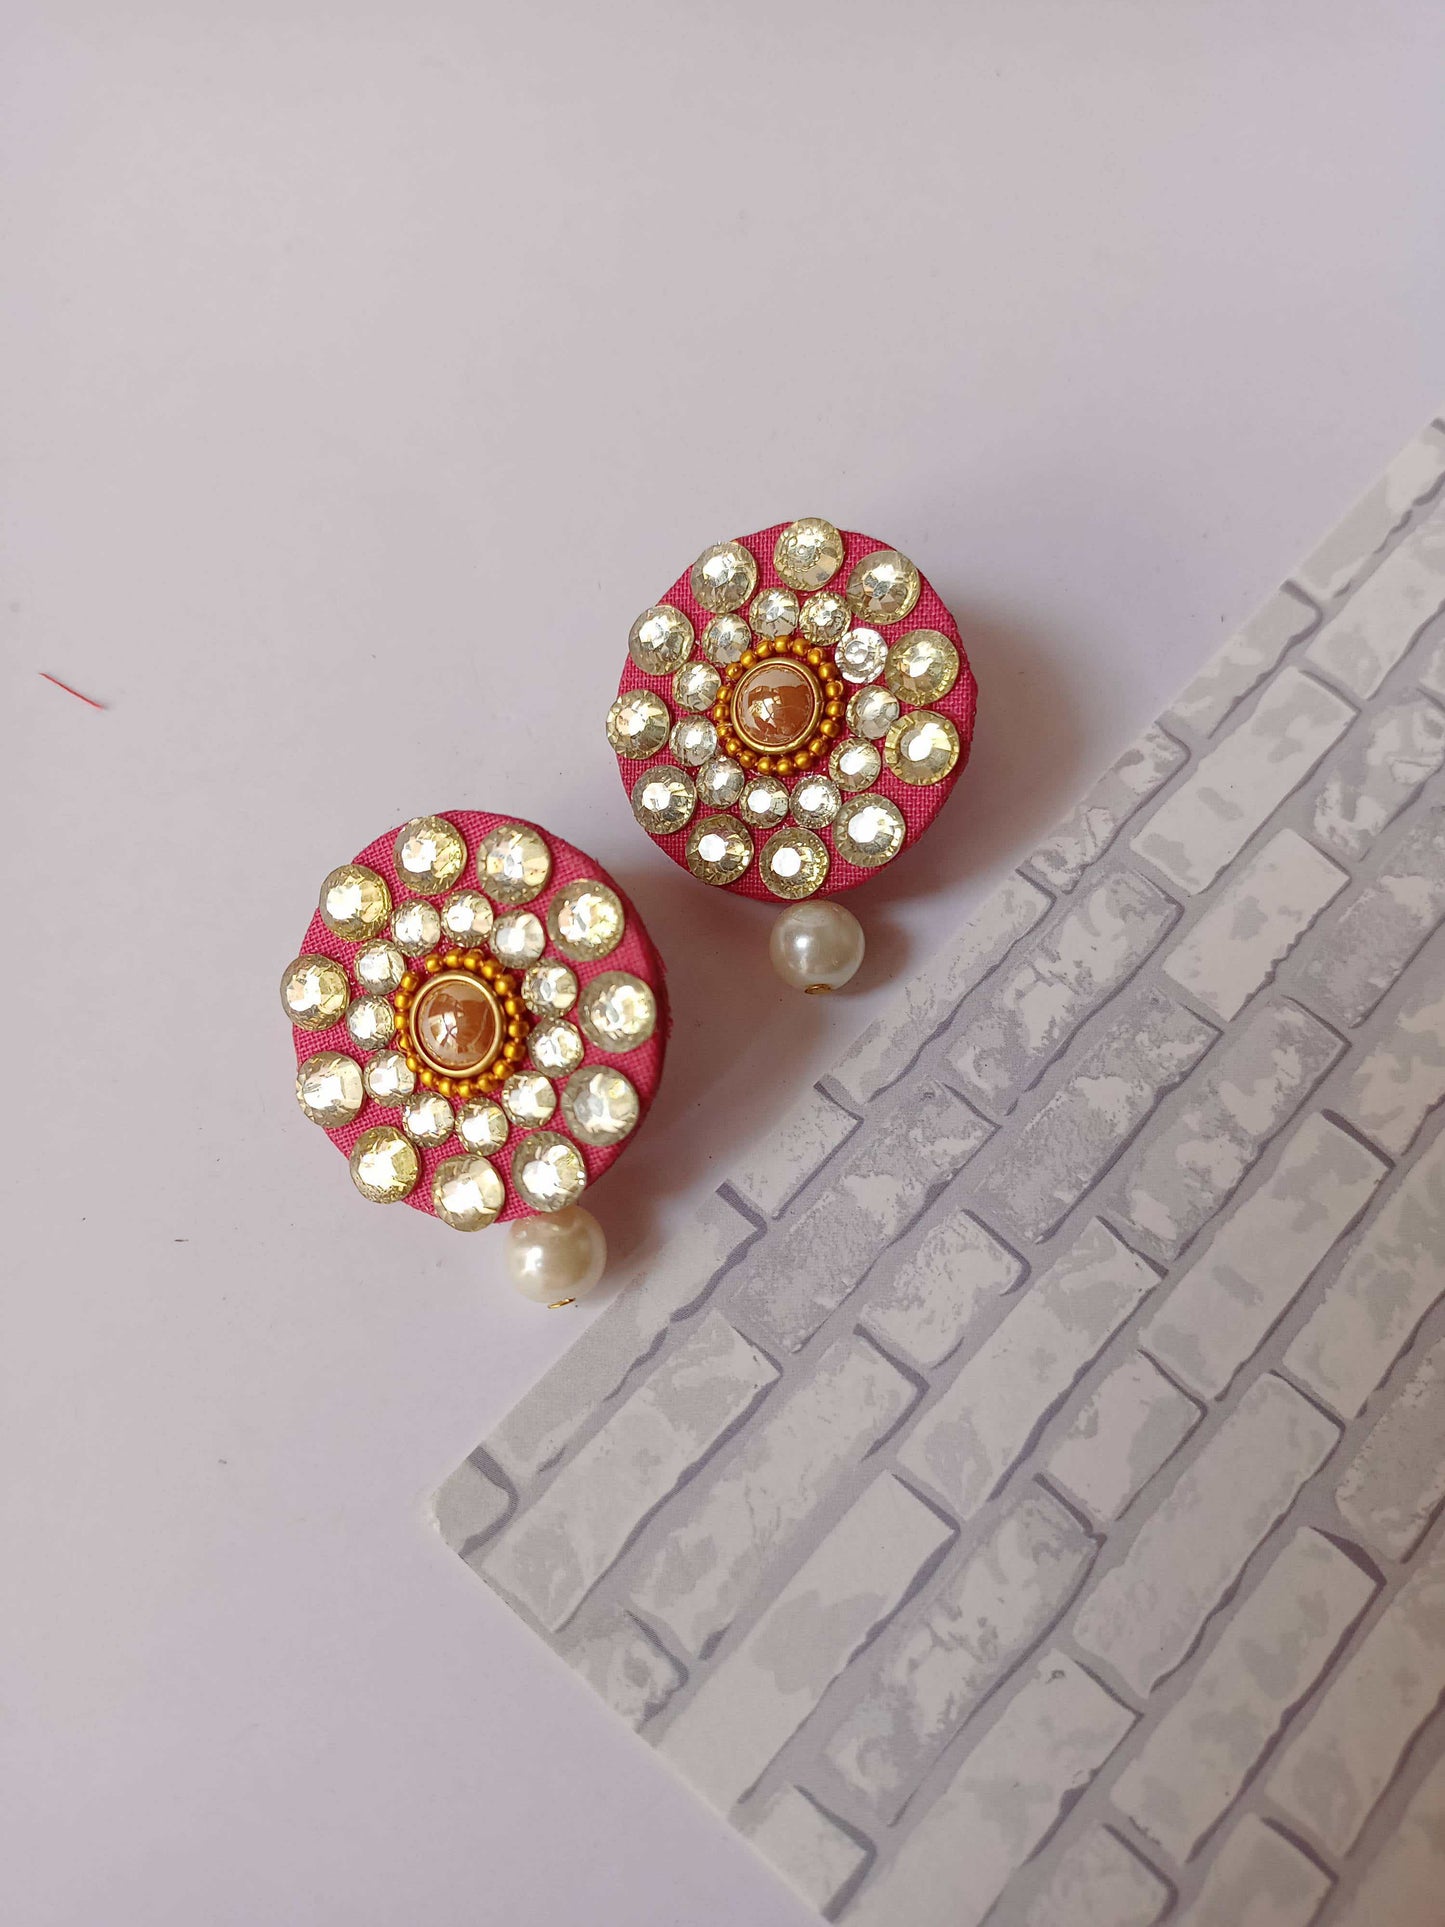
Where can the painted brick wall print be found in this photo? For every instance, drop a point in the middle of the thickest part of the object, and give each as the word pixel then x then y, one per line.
pixel 1018 1498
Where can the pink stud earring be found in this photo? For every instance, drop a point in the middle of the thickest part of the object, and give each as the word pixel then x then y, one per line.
pixel 791 716
pixel 480 1020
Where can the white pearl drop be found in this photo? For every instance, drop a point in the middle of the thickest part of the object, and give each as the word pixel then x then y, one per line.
pixel 556 1258
pixel 816 946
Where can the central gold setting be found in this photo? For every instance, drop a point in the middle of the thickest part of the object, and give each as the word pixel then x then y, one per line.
pixel 463 1025
pixel 776 706
pixel 781 707
pixel 456 1023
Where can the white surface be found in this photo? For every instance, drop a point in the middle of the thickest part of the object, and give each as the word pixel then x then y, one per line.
pixel 365 370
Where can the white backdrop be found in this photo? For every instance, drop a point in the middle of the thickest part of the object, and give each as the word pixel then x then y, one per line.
pixel 365 369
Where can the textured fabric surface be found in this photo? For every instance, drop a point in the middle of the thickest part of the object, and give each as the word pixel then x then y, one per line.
pixel 919 805
pixel 635 953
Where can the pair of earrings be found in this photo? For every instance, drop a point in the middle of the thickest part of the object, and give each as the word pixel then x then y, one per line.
pixel 480 1017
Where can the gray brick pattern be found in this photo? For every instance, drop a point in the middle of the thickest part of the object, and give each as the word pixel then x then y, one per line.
pixel 1018 1497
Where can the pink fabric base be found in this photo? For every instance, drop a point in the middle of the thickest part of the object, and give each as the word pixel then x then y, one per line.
pixel 919 805
pixel 636 953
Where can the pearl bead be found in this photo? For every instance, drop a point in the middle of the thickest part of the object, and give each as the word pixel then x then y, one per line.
pixel 557 1258
pixel 816 946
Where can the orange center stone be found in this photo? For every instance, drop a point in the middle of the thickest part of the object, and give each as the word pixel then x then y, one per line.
pixel 776 706
pixel 456 1024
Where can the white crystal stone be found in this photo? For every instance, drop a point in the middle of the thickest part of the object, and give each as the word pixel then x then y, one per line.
pixel 815 802
pixel 695 686
pixel 723 577
pixel 586 920
pixel 809 552
pixel 548 1171
pixel 513 863
pixel 861 655
pixel 922 747
pixel 793 863
pixel 314 992
pixel 549 989
pixel 764 802
pixel 855 764
pixel 659 640
pixel 329 1089
pixel 725 638
pixel 518 939
pixel 872 711
pixel 384 1165
pixel 354 902
pixel 617 1011
pixel 380 967
pixel 663 798
pixel 774 613
pixel 720 783
pixel 467 918
pixel 638 722
pixel 555 1047
pixel 825 618
pixel 482 1125
pixel 466 1193
pixel 693 741
pixel 884 587
pixel 869 830
pixel 388 1078
pixel 429 854
pixel 528 1098
pixel 922 666
pixel 370 1022
pixel 417 926
pixel 600 1105
pixel 719 849
pixel 427 1118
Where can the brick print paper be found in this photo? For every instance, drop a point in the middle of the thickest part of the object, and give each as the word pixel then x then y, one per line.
pixel 1016 1498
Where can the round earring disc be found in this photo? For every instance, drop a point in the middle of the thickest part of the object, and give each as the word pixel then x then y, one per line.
pixel 869 689
pixel 464 1010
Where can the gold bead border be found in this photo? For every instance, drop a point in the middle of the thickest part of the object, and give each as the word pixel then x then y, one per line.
pixel 829 729
pixel 519 1025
